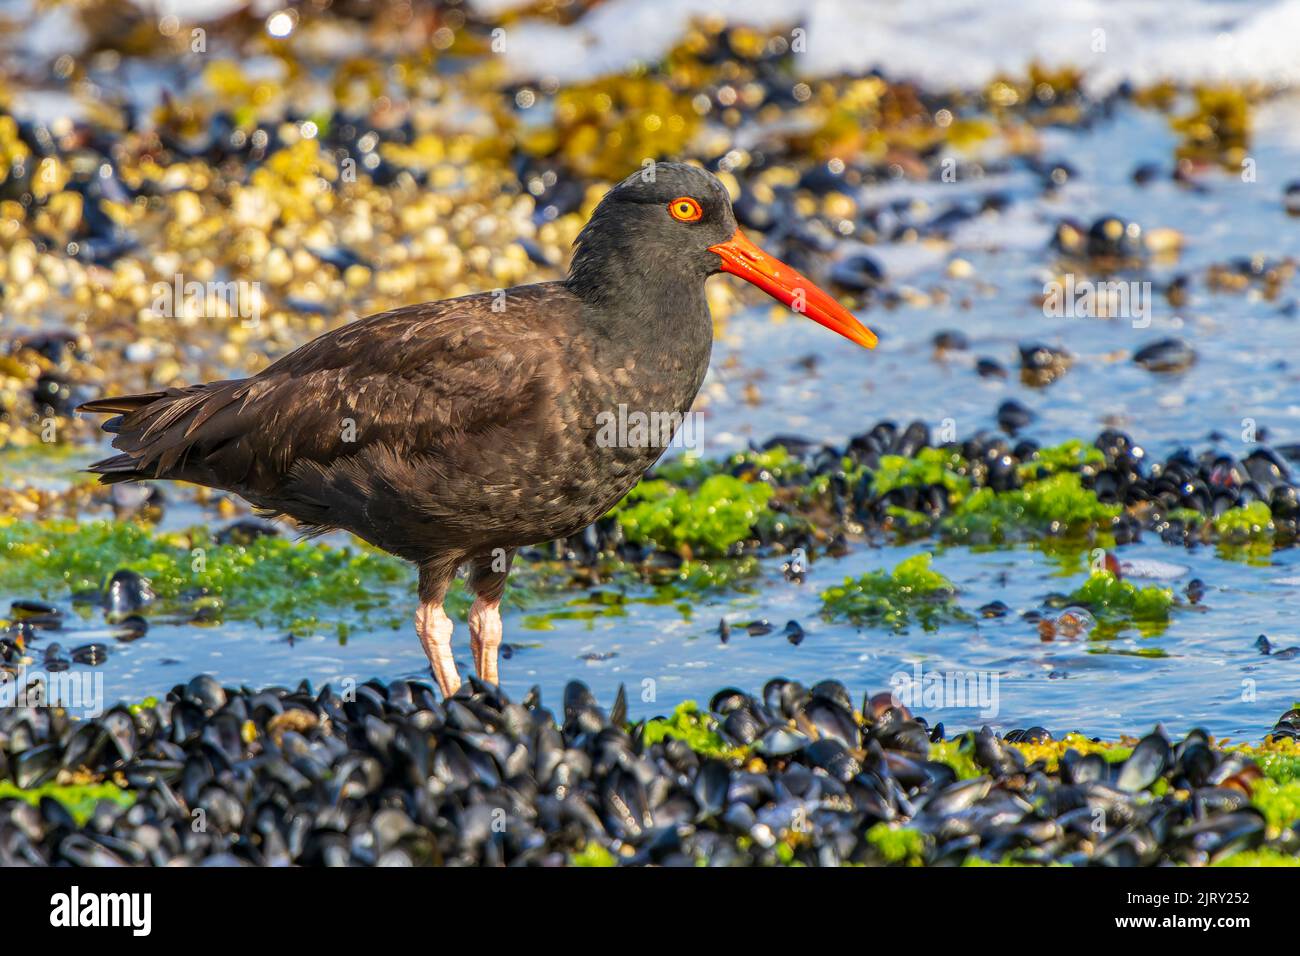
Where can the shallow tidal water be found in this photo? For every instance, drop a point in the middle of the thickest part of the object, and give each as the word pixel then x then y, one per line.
pixel 1210 674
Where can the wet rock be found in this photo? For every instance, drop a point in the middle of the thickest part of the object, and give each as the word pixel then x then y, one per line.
pixel 1291 198
pixel 1013 416
pixel 951 340
pixel 994 609
pixel 1147 173
pixel 1040 365
pixel 794 633
pixel 858 273
pixel 1166 355
pixel 245 531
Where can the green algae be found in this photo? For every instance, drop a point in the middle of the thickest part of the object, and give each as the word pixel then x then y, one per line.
pixel 907 520
pixel 1068 456
pixel 1051 509
pixel 1052 497
pixel 774 464
pixel 78 798
pixel 271 580
pixel 1117 604
pixel 898 846
pixel 1245 534
pixel 1058 504
pixel 687 469
pixel 678 586
pixel 1261 857
pixel 270 577
pixel 695 728
pixel 706 521
pixel 930 466
pixel 80 556
pixel 1006 860
pixel 147 704
pixel 1071 557
pixel 1050 752
pixel 592 854
pixel 1279 802
pixel 1105 631
pixel 1281 767
pixel 590 607
pixel 912 591
pixel 959 754
pixel 696 577
pixel 1253 520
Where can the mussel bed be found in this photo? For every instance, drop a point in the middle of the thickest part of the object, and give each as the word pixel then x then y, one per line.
pixel 390 774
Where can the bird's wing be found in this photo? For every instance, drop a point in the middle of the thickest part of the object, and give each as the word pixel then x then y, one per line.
pixel 411 380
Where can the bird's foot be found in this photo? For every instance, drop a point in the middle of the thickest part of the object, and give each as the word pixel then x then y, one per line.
pixel 434 628
pixel 485 637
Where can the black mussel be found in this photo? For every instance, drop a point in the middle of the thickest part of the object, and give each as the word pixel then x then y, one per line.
pixel 125 594
pixel 828 718
pixel 245 531
pixel 912 439
pixel 781 742
pixel 1165 355
pixel 857 273
pixel 1012 416
pixel 1147 173
pixel 205 693
pixel 1112 237
pixel 90 654
pixel 742 726
pixel 727 700
pixel 712 781
pixel 784 697
pixel 951 340
pixel 1291 198
pixel 1145 765
pixel 1042 364
pixel 794 633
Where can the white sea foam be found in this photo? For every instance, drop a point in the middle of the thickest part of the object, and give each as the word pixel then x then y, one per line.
pixel 943 43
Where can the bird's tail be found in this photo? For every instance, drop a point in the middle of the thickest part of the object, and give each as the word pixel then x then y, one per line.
pixel 155 430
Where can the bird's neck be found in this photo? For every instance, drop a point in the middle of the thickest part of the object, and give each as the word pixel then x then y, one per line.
pixel 656 330
pixel 643 305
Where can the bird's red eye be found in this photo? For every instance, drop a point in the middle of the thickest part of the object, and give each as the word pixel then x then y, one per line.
pixel 685 209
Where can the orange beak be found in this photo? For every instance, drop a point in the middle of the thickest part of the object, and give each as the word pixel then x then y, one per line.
pixel 742 258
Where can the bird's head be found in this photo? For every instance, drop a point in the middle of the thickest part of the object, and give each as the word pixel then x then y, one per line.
pixel 673 223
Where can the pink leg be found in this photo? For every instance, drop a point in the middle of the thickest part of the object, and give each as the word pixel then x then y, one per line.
pixel 485 637
pixel 487 580
pixel 434 627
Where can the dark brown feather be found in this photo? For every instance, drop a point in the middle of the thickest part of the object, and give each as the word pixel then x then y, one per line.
pixel 439 431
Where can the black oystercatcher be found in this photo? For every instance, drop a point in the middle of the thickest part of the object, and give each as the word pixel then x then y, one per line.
pixel 455 432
